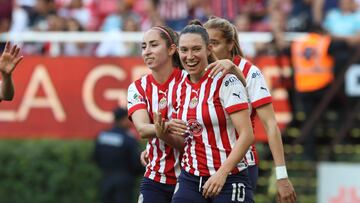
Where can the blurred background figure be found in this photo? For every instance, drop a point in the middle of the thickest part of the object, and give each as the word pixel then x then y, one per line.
pixel 343 25
pixel 313 74
pixel 174 12
pixel 123 19
pixel 5 18
pixel 117 155
pixel 79 48
pixel 242 23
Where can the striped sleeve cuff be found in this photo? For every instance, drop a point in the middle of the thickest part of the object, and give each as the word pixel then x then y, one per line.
pixel 236 107
pixel 135 108
pixel 260 102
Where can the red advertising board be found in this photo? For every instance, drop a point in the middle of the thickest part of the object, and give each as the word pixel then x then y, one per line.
pixel 72 97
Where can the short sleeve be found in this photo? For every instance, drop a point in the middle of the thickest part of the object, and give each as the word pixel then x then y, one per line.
pixel 136 99
pixel 258 91
pixel 233 94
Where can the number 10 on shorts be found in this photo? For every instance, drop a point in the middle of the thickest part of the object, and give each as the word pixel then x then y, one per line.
pixel 238 192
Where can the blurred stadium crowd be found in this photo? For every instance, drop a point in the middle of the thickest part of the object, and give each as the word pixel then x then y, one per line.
pixel 276 16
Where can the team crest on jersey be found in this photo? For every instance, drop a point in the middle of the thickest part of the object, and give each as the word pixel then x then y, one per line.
pixel 194 102
pixel 162 103
pixel 195 127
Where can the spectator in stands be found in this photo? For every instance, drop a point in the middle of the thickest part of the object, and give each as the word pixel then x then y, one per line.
pixel 322 6
pixel 5 17
pixel 199 9
pixel 8 61
pixel 343 23
pixel 39 13
pixel 225 9
pixel 278 27
pixel 175 13
pixel 242 24
pixel 278 14
pixel 149 17
pixel 34 18
pixel 117 155
pixel 20 19
pixel 76 10
pixel 112 24
pixel 76 48
pixel 257 11
pixel 301 16
pixel 131 25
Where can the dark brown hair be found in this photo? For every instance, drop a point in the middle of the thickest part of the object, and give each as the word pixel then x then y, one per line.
pixel 195 27
pixel 171 37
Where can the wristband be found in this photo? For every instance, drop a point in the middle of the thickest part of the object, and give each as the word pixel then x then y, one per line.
pixel 281 172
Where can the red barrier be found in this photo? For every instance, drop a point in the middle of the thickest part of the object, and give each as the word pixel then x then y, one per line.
pixel 73 97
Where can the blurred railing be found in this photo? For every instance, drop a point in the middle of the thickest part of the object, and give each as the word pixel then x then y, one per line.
pixel 119 36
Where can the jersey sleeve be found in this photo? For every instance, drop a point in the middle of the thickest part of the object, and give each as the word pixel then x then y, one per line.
pixel 136 99
pixel 233 94
pixel 258 91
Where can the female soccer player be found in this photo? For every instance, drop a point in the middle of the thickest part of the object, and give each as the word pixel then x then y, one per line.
pixel 8 61
pixel 213 167
pixel 154 93
pixel 224 39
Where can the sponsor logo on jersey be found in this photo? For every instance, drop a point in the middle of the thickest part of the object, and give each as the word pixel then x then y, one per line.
pixel 256 74
pixel 231 81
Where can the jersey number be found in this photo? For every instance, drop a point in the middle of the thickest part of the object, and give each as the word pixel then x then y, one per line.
pixel 238 192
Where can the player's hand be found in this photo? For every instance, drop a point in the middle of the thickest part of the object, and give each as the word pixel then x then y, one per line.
pixel 225 66
pixel 160 127
pixel 177 127
pixel 144 159
pixel 286 192
pixel 214 184
pixel 9 59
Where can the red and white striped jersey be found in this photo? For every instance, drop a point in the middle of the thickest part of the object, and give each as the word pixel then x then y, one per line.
pixel 146 93
pixel 206 106
pixel 258 93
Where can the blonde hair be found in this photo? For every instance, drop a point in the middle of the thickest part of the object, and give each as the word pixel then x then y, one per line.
pixel 229 32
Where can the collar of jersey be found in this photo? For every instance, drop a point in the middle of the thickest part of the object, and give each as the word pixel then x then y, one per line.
pixel 202 79
pixel 175 73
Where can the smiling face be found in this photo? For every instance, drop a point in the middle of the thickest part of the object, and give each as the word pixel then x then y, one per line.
pixel 155 52
pixel 194 54
pixel 221 47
